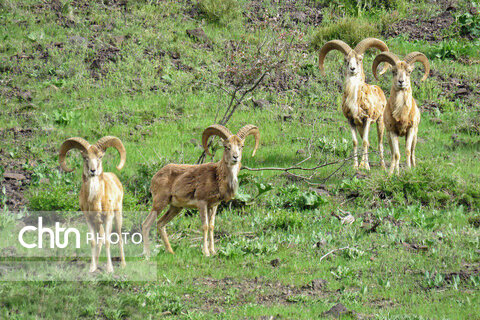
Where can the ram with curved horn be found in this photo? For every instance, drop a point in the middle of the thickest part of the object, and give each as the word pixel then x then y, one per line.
pixel 362 103
pixel 402 116
pixel 101 193
pixel 201 186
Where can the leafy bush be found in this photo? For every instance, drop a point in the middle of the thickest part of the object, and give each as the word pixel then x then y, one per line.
pixel 244 246
pixel 468 24
pixel 452 49
pixel 221 11
pixel 53 198
pixel 421 186
pixel 350 30
pixel 293 197
pixel 339 148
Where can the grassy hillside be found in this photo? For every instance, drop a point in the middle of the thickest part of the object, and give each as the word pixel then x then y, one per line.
pixel 134 69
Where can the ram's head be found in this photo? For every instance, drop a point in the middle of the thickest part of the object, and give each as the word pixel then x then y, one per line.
pixel 92 154
pixel 401 70
pixel 233 144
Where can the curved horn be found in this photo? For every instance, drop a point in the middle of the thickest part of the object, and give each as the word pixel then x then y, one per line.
pixel 111 141
pixel 71 143
pixel 248 130
pixel 367 43
pixel 217 130
pixel 413 57
pixel 387 57
pixel 332 45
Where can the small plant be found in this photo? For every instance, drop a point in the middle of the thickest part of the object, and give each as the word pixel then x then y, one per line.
pixel 63 117
pixel 257 247
pixel 384 283
pixel 337 147
pixel 247 199
pixel 220 11
pixel 162 301
pixel 342 272
pixel 475 280
pixel 468 24
pixel 293 197
pixel 433 279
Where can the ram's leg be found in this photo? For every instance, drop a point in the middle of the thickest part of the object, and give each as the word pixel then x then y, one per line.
pixel 158 205
pixel 380 131
pixel 395 165
pixel 108 234
pixel 162 222
pixel 211 225
pixel 118 226
pixel 204 218
pixel 93 244
pixel 366 129
pixel 100 240
pixel 414 145
pixel 353 130
pixel 408 146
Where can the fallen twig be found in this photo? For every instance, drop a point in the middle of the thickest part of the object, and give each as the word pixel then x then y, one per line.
pixel 334 250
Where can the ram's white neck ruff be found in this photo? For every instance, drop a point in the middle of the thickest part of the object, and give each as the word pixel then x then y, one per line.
pixel 233 176
pixel 402 103
pixel 93 187
pixel 352 85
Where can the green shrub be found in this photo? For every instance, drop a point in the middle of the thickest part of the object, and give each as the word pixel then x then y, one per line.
pixel 53 198
pixel 468 24
pixel 452 49
pixel 293 197
pixel 220 11
pixel 420 186
pixel 350 30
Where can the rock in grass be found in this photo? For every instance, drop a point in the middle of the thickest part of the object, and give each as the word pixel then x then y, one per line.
pixel 198 35
pixel 14 176
pixel 260 103
pixel 337 311
pixel 275 262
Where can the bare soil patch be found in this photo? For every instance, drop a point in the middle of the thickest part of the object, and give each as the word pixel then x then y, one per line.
pixel 15 178
pixel 263 291
pixel 418 28
pixel 305 12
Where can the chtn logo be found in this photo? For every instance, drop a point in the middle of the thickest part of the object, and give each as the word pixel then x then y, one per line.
pixel 56 235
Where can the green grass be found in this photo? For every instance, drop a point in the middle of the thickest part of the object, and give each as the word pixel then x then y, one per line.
pixel 421 261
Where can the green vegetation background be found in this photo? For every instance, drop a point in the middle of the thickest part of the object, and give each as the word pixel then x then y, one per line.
pixel 129 69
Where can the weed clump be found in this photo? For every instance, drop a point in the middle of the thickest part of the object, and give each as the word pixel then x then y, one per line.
pixel 219 11
pixel 350 30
